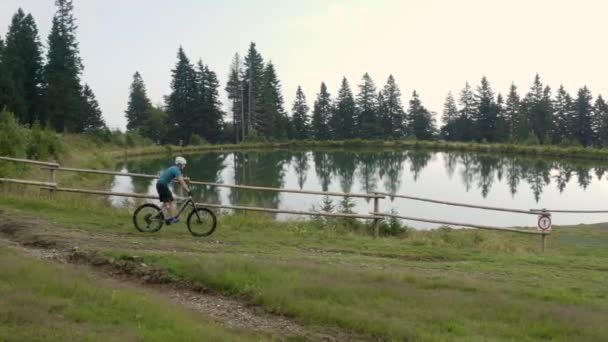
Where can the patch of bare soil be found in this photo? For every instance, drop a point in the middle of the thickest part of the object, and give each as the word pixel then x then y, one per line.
pixel 39 239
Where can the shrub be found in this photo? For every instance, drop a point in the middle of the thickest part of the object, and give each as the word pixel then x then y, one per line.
pixel 198 140
pixel 43 144
pixel 13 137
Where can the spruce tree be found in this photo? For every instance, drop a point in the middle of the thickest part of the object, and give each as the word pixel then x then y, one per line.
pixel 563 115
pixel 273 121
pixel 23 67
pixel 252 78
pixel 183 99
pixel 502 127
pixel 214 116
pixel 537 106
pixel 4 82
pixel 91 119
pixel 63 95
pixel 583 129
pixel 600 115
pixel 485 114
pixel 420 120
pixel 449 118
pixel 300 118
pixel 234 88
pixel 320 115
pixel 517 121
pixel 139 105
pixel 392 114
pixel 342 121
pixel 465 122
pixel 368 122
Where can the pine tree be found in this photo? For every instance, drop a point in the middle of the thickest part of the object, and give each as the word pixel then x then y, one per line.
pixel 563 115
pixel 449 118
pixel 485 115
pixel 392 114
pixel 272 121
pixel 516 120
pixel 139 104
pixel 583 129
pixel 420 120
pixel 91 119
pixel 368 121
pixel 320 115
pixel 63 94
pixel 600 114
pixel 502 127
pixel 23 65
pixel 300 119
pixel 537 106
pixel 342 121
pixel 234 88
pixel 465 122
pixel 206 115
pixel 183 99
pixel 4 82
pixel 252 78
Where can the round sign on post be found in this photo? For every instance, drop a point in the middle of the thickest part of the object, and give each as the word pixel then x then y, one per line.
pixel 544 222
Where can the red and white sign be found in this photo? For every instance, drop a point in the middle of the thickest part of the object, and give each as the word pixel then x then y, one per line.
pixel 544 222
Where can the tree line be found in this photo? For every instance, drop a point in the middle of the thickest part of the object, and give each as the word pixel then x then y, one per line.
pixel 45 86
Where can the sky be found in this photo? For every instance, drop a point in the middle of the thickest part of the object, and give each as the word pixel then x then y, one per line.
pixel 431 46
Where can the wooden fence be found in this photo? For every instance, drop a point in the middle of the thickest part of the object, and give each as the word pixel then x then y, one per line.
pixel 375 215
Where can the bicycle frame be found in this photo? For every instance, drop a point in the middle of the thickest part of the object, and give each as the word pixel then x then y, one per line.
pixel 185 204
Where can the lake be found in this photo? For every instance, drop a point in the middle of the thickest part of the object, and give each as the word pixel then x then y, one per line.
pixel 508 181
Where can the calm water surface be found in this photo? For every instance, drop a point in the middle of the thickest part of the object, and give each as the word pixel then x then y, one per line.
pixel 503 181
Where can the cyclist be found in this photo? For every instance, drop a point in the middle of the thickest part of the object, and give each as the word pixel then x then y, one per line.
pixel 162 187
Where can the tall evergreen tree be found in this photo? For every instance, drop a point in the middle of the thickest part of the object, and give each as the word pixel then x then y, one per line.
pixel 600 115
pixel 273 121
pixel 420 120
pixel 464 123
pixel 391 110
pixel 537 106
pixel 563 115
pixel 62 72
pixel 502 127
pixel 253 77
pixel 485 115
pixel 368 121
pixel 342 121
pixel 4 81
pixel 23 65
pixel 206 114
pixel 139 105
pixel 91 119
pixel 300 118
pixel 449 118
pixel 583 111
pixel 516 120
pixel 234 88
pixel 320 115
pixel 183 99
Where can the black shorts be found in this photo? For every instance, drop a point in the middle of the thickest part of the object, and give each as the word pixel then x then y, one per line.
pixel 164 193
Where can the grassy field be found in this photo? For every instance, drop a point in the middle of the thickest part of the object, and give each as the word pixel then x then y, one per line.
pixel 437 285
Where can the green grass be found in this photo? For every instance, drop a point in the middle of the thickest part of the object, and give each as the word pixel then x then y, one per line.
pixel 50 302
pixel 437 285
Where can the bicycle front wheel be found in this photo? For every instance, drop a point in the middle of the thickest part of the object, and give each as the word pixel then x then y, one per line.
pixel 148 218
pixel 201 222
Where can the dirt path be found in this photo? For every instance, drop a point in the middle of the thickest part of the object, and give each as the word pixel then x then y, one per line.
pixel 37 238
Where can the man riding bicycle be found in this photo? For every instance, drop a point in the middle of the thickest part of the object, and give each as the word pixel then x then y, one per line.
pixel 162 187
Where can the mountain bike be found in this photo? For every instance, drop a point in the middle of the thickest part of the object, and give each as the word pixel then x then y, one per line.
pixel 149 218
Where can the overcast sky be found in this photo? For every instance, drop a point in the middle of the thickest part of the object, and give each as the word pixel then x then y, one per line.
pixel 432 46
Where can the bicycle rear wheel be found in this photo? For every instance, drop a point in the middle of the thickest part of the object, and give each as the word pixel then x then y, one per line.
pixel 148 218
pixel 201 222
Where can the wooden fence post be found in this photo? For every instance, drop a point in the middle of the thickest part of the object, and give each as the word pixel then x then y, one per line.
pixel 544 242
pixel 52 180
pixel 376 220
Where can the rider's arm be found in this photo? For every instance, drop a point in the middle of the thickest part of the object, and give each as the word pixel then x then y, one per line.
pixel 182 181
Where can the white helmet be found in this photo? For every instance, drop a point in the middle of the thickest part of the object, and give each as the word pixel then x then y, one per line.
pixel 180 161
